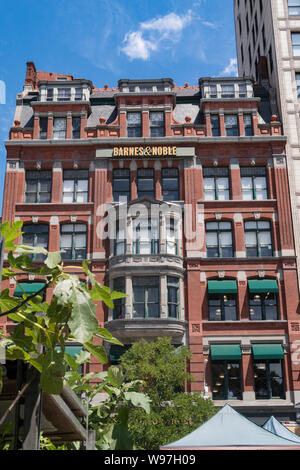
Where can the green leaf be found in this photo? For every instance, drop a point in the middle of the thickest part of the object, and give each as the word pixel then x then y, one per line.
pixel 31 249
pixel 107 336
pixel 115 376
pixel 53 372
pixel 83 323
pixel 64 289
pixel 139 400
pixel 19 338
pixel 53 259
pixel 11 233
pixel 117 295
pixel 85 267
pixel 99 293
pixel 71 361
pixel 97 351
pixel 7 302
pixel 121 439
pixel 83 357
pixel 14 353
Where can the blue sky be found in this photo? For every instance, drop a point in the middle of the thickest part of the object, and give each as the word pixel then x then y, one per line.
pixel 105 40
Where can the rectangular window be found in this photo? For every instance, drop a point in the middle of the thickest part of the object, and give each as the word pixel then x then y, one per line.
pixel 73 241
pixel 134 125
pixel 119 304
pixel 298 84
pixel 215 125
pixel 213 91
pixel 43 128
pixel 76 123
pixel 38 186
pixel 50 94
pixel 75 186
pixel 248 124
pixel 242 91
pixel 254 183
pixel 268 379
pixel 227 91
pixel 59 128
pixel 170 184
pixel 172 236
pixel 146 297
pixel 157 124
pixel 145 236
pixel 258 239
pixel 222 307
pixel 145 183
pixel 216 184
pixel 173 296
pixel 121 184
pixel 36 235
pixel 64 94
pixel 263 306
pixel 231 125
pixel 120 241
pixel 294 7
pixel 219 240
pixel 78 94
pixel 226 380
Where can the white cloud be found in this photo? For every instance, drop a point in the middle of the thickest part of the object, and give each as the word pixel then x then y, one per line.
pixel 154 33
pixel 231 69
pixel 137 47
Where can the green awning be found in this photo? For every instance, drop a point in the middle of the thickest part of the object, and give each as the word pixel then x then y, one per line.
pixel 73 350
pixel 260 287
pixel 29 288
pixel 117 351
pixel 268 351
pixel 222 287
pixel 219 352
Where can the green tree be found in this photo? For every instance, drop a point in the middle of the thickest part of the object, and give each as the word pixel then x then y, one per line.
pixel 174 414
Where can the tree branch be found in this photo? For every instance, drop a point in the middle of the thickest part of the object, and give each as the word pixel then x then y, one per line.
pixel 11 407
pixel 30 297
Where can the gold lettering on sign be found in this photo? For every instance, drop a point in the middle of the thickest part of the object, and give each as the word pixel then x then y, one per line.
pixel 157 151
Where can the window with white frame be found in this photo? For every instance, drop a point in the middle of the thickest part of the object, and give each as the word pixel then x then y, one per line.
pixel 73 241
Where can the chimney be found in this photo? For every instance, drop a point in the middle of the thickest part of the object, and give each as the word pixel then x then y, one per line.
pixel 30 79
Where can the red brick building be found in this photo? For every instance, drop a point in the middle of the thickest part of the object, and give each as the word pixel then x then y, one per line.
pixel 195 181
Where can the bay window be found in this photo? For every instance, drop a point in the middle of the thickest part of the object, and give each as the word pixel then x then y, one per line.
pixel 146 297
pixel 173 296
pixel 145 236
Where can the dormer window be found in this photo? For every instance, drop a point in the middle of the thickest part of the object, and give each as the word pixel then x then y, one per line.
pixel 50 94
pixel 147 89
pixel 64 94
pixel 59 128
pixel 227 91
pixel 78 94
pixel 242 91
